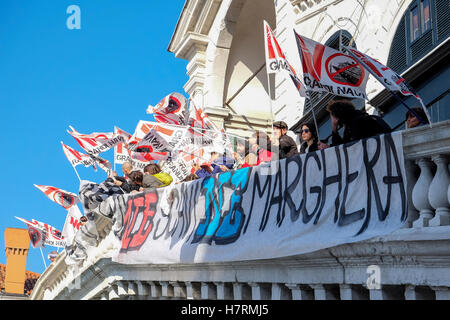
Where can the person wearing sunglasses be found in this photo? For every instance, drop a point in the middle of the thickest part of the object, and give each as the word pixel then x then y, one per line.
pixel 309 138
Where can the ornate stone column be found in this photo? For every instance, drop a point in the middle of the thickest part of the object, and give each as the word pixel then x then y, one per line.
pixel 420 193
pixel 438 198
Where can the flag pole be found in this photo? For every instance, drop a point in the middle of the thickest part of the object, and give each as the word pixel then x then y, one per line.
pixel 76 173
pixel 314 115
pixel 43 260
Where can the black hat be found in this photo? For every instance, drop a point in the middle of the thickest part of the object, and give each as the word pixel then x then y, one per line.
pixel 280 124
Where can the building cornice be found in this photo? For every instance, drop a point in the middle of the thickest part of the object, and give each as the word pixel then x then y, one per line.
pixel 194 23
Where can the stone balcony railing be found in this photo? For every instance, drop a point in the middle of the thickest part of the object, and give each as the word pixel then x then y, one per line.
pixel 410 263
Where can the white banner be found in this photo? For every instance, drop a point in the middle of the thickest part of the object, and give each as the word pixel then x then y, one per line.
pixel 305 203
pixel 328 70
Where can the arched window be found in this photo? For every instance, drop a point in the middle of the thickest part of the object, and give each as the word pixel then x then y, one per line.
pixel 424 26
pixel 419 52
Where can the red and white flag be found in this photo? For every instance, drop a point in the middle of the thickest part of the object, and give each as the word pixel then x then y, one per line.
pixel 40 230
pixel 122 154
pixel 97 142
pixel 75 157
pixel 198 119
pixel 386 76
pixel 37 235
pixel 155 141
pixel 64 198
pixel 276 59
pixel 171 109
pixel 328 70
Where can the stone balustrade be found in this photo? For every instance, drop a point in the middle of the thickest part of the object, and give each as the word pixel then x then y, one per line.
pixel 412 263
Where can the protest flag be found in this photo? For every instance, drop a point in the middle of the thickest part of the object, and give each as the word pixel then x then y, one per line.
pixel 75 158
pixel 64 198
pixel 97 142
pixel 328 70
pixel 276 61
pixel 52 237
pixel 389 79
pixel 36 234
pixel 171 109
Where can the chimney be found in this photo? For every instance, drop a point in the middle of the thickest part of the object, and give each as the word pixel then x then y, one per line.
pixel 17 242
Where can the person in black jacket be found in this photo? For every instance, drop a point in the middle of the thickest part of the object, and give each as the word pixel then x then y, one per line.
pixel 357 124
pixel 286 145
pixel 309 138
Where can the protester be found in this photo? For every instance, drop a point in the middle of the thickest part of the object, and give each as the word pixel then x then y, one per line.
pixel 261 145
pixel 286 145
pixel 412 121
pixel 135 183
pixel 203 170
pixel 220 162
pixel 154 170
pixel 357 123
pixel 190 177
pixel 127 168
pixel 250 160
pixel 83 220
pixel 309 138
pixel 149 181
pixel 242 150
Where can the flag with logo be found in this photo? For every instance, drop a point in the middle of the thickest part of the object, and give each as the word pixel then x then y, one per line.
pixel 386 76
pixel 122 154
pixel 155 141
pixel 64 198
pixel 75 157
pixel 276 61
pixel 171 109
pixel 37 235
pixel 328 70
pixel 104 164
pixel 95 142
pixel 40 230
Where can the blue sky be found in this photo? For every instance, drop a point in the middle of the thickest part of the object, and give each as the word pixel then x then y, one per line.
pixel 95 78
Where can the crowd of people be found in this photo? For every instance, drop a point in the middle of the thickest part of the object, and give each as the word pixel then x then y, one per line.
pixel 348 124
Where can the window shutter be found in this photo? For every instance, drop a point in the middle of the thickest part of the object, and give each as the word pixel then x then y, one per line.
pixel 423 45
pixel 397 60
pixel 442 19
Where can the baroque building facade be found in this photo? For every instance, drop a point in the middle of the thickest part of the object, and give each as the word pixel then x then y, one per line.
pixel 223 42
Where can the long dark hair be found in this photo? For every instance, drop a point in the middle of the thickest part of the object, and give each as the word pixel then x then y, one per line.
pixel 312 129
